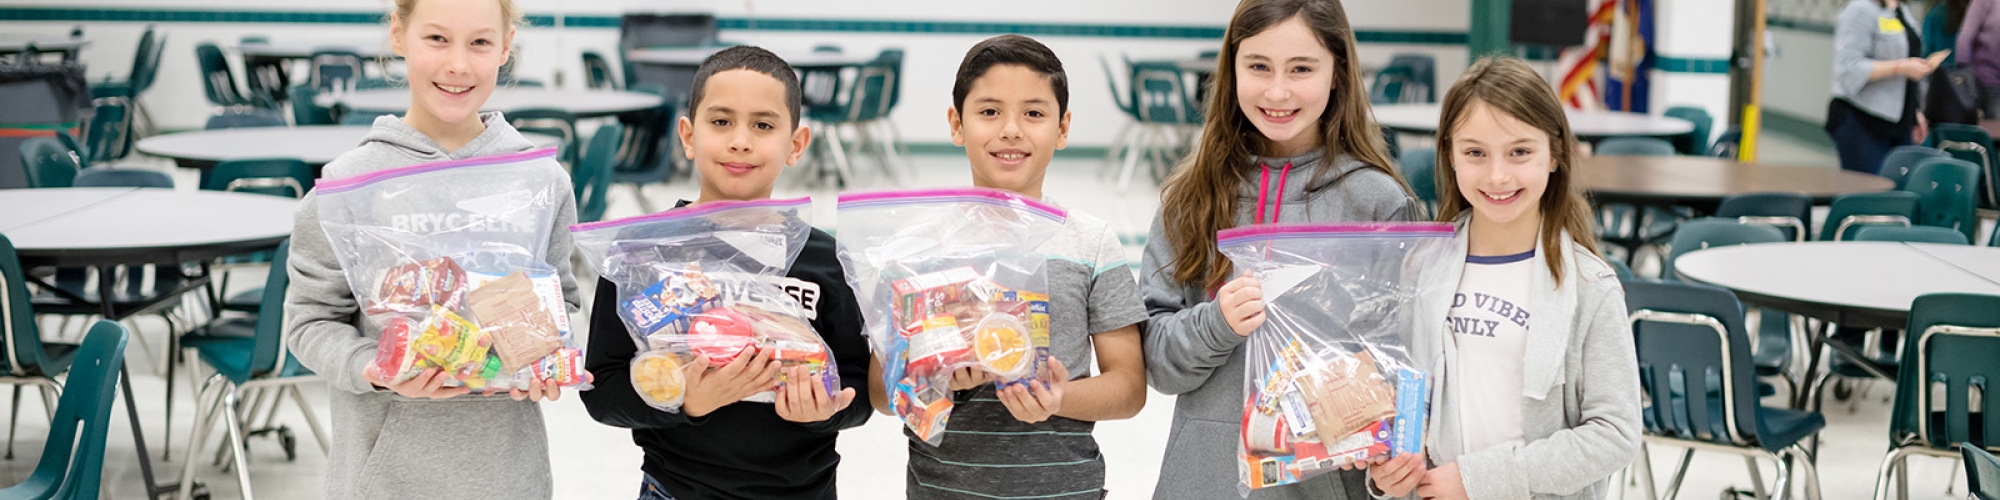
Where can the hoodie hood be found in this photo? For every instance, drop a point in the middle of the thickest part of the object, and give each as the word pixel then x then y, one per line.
pixel 391 143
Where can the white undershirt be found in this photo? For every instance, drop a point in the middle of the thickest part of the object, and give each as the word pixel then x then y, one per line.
pixel 1489 323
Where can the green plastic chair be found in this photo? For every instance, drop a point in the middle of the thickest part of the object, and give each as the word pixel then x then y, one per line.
pixel 1982 473
pixel 108 136
pixel 30 362
pixel 304 111
pixel 273 176
pixel 1972 144
pixel 1915 234
pixel 550 121
pixel 1789 212
pixel 1902 159
pixel 249 357
pixel 1419 166
pixel 1695 142
pixel 591 178
pixel 72 463
pixel 49 163
pixel 1947 195
pixel 1953 340
pixel 1635 146
pixel 1849 212
pixel 598 70
pixel 217 81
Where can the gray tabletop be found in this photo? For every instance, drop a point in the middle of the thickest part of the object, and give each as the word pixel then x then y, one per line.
pixel 1874 280
pixel 281 50
pixel 693 56
pixel 316 144
pixel 28 206
pixel 1423 118
pixel 582 103
pixel 10 44
pixel 149 219
pixel 1978 260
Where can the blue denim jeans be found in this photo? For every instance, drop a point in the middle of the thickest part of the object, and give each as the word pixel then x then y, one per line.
pixel 651 490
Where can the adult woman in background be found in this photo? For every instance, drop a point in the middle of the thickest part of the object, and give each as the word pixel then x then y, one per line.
pixel 1876 66
pixel 1979 48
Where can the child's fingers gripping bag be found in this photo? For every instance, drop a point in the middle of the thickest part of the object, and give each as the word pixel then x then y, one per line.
pixel 703 282
pixel 1332 377
pixel 447 262
pixel 948 279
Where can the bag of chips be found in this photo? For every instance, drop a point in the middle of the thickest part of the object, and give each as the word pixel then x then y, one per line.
pixel 1333 376
pixel 703 282
pixel 447 262
pixel 948 279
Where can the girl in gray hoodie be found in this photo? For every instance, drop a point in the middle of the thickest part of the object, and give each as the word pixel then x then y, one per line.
pixel 1288 99
pixel 1537 385
pixel 417 439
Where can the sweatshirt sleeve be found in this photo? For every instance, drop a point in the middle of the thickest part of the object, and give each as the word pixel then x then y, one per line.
pixel 839 323
pixel 611 399
pixel 1606 437
pixel 561 246
pixel 320 310
pixel 1184 340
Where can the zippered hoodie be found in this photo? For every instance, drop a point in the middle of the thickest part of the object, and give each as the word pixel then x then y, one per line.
pixel 389 446
pixel 1190 350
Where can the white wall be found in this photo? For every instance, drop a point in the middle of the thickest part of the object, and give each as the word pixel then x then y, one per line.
pixel 177 100
pixel 1693 29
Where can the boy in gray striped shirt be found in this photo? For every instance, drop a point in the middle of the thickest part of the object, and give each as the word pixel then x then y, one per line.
pixel 1011 112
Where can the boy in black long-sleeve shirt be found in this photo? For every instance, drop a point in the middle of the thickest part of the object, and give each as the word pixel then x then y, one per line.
pixel 742 132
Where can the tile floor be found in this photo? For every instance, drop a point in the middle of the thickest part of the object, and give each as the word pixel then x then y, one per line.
pixel 593 461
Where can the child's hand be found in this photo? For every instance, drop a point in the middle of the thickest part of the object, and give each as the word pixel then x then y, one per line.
pixel 1242 301
pixel 1442 483
pixel 1037 400
pixel 426 385
pixel 1399 475
pixel 536 391
pixel 969 377
pixel 803 398
pixel 752 371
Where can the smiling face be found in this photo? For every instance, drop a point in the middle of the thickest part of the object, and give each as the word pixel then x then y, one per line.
pixel 1502 166
pixel 1010 127
pixel 1284 79
pixel 453 50
pixel 740 136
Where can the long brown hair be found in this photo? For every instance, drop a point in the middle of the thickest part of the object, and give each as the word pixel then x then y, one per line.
pixel 1200 196
pixel 1509 86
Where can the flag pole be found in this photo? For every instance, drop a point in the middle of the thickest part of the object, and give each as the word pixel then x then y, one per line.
pixel 1752 108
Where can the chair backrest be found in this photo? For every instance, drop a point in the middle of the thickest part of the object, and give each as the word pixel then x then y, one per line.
pixel 1694 357
pixel 1789 212
pixel 1913 234
pixel 643 30
pixel 1726 145
pixel 269 337
pixel 1947 194
pixel 216 79
pixel 1121 97
pixel 1421 69
pixel 1850 211
pixel 556 122
pixel 1159 94
pixel 1623 271
pixel 1419 166
pixel 598 70
pixel 1695 142
pixel 1902 159
pixel 1949 350
pixel 1971 143
pixel 336 69
pixel 644 155
pixel 49 164
pixel 72 463
pixel 890 60
pixel 1389 84
pixel 273 176
pixel 1711 232
pixel 591 177
pixel 304 111
pixel 1982 473
pixel 124 177
pixel 146 62
pixel 249 118
pixel 109 136
pixel 25 355
pixel 1635 146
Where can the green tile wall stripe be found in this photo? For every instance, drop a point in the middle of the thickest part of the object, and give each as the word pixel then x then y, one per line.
pixel 1803 129
pixel 1682 65
pixel 1799 24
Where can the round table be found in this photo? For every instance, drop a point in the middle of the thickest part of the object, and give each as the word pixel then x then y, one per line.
pixel 582 103
pixel 317 145
pixel 691 57
pixel 1423 119
pixel 129 226
pixel 1702 182
pixel 15 44
pixel 1851 283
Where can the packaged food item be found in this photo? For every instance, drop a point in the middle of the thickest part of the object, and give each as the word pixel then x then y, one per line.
pixel 948 279
pixel 1332 378
pixel 702 283
pixel 447 260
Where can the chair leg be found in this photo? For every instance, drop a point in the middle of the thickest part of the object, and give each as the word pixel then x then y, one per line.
pixel 312 419
pixel 13 419
pixel 207 405
pixel 1680 473
pixel 1757 478
pixel 1645 475
pixel 1956 464
pixel 247 402
pixel 236 445
pixel 1804 462
pixel 840 165
pixel 1118 141
pixel 1132 154
pixel 1892 465
pixel 639 193
pixel 1784 486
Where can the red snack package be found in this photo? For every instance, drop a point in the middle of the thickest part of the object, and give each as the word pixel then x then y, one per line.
pixel 720 335
pixel 564 368
pixel 417 286
pixel 396 355
pixel 938 346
